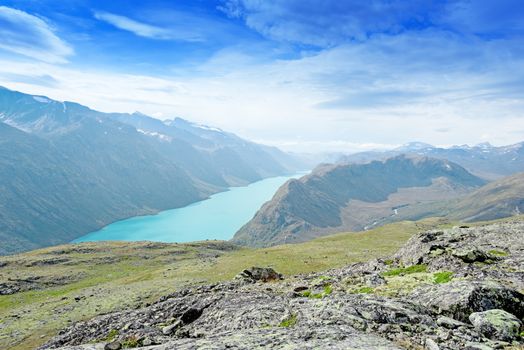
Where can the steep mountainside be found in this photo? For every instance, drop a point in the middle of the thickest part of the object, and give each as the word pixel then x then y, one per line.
pixel 483 160
pixel 498 199
pixel 323 201
pixel 67 170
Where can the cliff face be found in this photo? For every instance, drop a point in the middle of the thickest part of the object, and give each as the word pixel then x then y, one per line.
pixel 316 204
pixel 445 289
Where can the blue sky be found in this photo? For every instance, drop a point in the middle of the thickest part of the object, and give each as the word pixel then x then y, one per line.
pixel 300 74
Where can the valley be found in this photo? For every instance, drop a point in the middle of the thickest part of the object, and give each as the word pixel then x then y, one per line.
pixel 224 214
pixel 83 169
pixel 246 174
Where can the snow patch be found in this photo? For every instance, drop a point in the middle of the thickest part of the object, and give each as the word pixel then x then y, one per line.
pixel 41 99
pixel 155 134
pixel 205 127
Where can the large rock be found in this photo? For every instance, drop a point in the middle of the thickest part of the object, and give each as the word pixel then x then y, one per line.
pixel 459 299
pixel 471 255
pixel 254 274
pixel 496 324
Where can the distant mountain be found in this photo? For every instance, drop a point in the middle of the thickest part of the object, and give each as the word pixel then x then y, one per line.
pixel 483 160
pixel 66 170
pixel 343 197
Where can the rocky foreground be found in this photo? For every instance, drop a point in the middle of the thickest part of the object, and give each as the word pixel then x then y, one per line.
pixel 453 289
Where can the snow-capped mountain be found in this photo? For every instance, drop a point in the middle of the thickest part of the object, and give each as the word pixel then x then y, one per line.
pixel 485 160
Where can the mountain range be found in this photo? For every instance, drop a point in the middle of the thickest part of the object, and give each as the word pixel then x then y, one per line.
pixel 66 169
pixel 484 160
pixel 348 197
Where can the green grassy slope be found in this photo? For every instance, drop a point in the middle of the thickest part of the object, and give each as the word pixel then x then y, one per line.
pixel 68 283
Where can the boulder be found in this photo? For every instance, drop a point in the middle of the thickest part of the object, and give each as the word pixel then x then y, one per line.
pixel 496 324
pixel 471 255
pixel 254 274
pixel 459 299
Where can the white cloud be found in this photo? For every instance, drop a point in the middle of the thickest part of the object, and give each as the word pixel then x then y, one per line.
pixel 31 36
pixel 389 91
pixel 145 30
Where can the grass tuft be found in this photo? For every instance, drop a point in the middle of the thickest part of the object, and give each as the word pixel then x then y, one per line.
pixel 289 322
pixel 363 290
pixel 443 277
pixel 110 336
pixel 131 342
pixel 498 252
pixel 328 289
pixel 406 270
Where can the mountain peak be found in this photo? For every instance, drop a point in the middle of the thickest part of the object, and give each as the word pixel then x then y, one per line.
pixel 484 145
pixel 186 123
pixel 414 146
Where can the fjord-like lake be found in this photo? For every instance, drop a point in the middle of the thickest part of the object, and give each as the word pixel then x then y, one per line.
pixel 217 217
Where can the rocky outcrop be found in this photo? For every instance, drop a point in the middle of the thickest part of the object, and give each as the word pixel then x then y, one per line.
pixel 417 299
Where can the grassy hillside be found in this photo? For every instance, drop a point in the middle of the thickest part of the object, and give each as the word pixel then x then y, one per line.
pixel 316 204
pixel 498 199
pixel 67 283
pixel 495 200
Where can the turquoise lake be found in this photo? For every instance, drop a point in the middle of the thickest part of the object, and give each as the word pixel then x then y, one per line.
pixel 218 217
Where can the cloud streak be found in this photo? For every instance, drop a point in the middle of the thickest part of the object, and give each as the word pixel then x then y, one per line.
pixel 30 36
pixel 146 30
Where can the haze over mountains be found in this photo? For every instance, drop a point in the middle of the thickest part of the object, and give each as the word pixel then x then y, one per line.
pixel 66 170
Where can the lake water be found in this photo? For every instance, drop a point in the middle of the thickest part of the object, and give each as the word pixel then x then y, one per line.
pixel 218 217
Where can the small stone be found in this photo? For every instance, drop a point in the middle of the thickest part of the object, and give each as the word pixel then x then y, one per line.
pixel 182 333
pixel 167 330
pixel 449 322
pixel 115 345
pixel 300 289
pixel 431 344
pixel 147 342
pixel 374 280
pixel 496 324
pixel 477 346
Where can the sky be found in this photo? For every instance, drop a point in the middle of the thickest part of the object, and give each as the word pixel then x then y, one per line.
pixel 303 75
